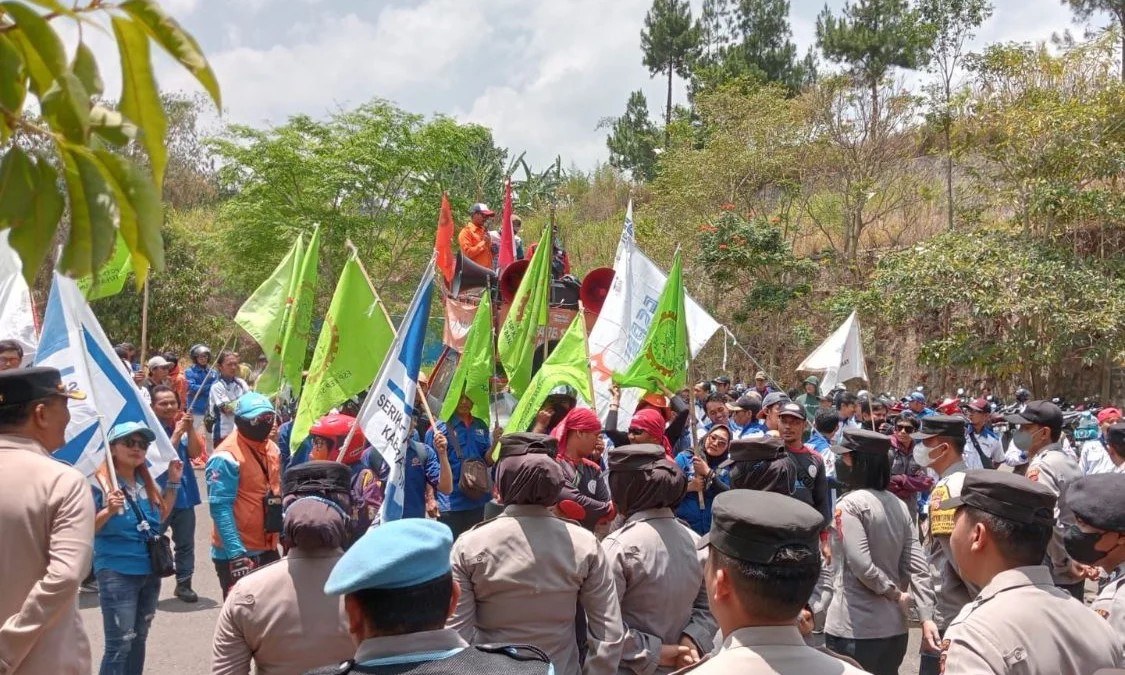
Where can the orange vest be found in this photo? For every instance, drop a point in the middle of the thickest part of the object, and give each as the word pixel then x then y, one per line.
pixel 249 510
pixel 476 244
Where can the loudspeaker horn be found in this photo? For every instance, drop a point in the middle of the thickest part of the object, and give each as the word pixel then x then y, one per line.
pixel 469 275
pixel 595 286
pixel 511 277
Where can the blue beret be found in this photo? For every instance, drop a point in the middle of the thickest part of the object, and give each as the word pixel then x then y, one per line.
pixel 397 554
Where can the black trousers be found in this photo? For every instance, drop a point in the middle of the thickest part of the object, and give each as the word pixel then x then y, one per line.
pixel 460 521
pixel 222 567
pixel 878 656
pixel 930 662
pixel 1077 590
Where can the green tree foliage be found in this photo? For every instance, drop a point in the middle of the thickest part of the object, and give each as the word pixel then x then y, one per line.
pixel 1086 9
pixel 373 175
pixel 952 23
pixel 103 191
pixel 633 138
pixel 1003 305
pixel 873 37
pixel 669 41
pixel 749 39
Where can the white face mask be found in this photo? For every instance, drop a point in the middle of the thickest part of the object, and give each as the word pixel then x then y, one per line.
pixel 922 455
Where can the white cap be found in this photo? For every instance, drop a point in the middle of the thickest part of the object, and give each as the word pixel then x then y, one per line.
pixel 158 362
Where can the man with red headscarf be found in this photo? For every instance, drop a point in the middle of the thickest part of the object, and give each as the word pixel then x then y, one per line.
pixel 585 495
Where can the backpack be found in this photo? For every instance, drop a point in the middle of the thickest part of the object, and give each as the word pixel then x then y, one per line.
pixel 367 498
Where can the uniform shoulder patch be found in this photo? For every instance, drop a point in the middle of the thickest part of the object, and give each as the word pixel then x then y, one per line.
pixel 518 652
pixel 1102 613
pixel 1033 474
pixel 941 520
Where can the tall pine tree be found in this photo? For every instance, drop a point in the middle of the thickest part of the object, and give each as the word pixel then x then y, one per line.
pixel 753 39
pixel 1085 9
pixel 669 41
pixel 632 139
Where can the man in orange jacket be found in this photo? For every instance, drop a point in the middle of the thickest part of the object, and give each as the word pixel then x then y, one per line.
pixel 474 240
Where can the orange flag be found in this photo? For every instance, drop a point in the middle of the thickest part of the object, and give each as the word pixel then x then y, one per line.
pixel 443 245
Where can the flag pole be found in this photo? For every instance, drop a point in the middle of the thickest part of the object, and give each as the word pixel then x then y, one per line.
pixel 101 419
pixel 144 323
pixel 695 423
pixel 378 298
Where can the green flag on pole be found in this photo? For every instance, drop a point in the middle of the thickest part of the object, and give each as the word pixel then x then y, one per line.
pixel 353 342
pixel 664 355
pixel 295 340
pixel 474 371
pixel 516 341
pixel 111 276
pixel 263 313
pixel 568 364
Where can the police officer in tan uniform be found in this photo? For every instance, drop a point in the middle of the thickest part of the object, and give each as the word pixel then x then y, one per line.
pixel 940 446
pixel 763 560
pixel 1097 538
pixel 655 564
pixel 1038 433
pixel 522 573
pixel 1020 622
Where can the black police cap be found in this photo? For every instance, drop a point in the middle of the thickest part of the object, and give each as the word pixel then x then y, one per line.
pixel 753 526
pixel 1097 500
pixel 1043 413
pixel 636 457
pixel 527 442
pixel 757 449
pixel 952 426
pixel 23 385
pixel 320 476
pixel 1006 495
pixel 863 441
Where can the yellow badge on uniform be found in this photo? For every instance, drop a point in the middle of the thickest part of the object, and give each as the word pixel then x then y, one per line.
pixel 941 519
pixel 1102 613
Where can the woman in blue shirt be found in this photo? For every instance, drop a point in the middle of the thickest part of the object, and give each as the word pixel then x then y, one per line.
pixel 705 474
pixel 126 517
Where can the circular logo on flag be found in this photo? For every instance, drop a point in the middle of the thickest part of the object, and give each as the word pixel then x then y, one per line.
pixel 662 348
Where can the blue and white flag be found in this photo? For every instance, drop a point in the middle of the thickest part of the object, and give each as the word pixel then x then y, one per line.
pixel 73 342
pixel 389 407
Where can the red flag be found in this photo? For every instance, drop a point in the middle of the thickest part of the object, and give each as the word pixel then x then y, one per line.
pixel 507 237
pixel 443 245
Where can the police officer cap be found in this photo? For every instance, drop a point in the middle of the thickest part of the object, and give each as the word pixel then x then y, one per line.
pixel 1007 495
pixel 636 457
pixel 863 441
pixel 1096 500
pixel 397 554
pixel 752 525
pixel 22 385
pixel 317 477
pixel 1043 413
pixel 757 449
pixel 527 443
pixel 952 426
pixel 1115 434
pixel 773 398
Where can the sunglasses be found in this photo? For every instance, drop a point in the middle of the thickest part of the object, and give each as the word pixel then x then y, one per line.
pixel 905 427
pixel 138 443
pixel 718 440
pixel 267 419
pixel 633 431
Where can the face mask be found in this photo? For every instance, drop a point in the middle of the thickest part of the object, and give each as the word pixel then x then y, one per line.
pixel 922 455
pixel 254 432
pixel 1022 439
pixel 843 472
pixel 1080 545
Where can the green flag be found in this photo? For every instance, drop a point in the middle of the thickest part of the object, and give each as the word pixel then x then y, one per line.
pixel 474 371
pixel 664 355
pixel 353 342
pixel 516 341
pixel 263 313
pixel 111 276
pixel 295 340
pixel 569 364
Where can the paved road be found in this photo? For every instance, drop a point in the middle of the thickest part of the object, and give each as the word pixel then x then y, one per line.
pixel 179 642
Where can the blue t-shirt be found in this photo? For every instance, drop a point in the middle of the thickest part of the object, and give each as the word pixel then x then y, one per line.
pixel 188 495
pixel 121 545
pixel 475 443
pixel 420 471
pixel 698 517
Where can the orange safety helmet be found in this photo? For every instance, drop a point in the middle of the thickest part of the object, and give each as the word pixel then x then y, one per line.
pixel 334 428
pixel 658 401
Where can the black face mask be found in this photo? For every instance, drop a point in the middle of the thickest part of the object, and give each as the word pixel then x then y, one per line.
pixel 843 473
pixel 1080 545
pixel 256 429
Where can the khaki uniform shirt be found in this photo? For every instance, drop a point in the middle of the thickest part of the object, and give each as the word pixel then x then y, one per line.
pixel 1056 470
pixel 522 575
pixel 1021 623
pixel 659 583
pixel 875 555
pixel 1110 605
pixel 951 592
pixel 771 650
pixel 47 529
pixel 279 618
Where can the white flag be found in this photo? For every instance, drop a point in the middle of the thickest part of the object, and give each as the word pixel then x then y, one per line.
pixel 623 323
pixel 74 343
pixel 389 407
pixel 17 316
pixel 840 356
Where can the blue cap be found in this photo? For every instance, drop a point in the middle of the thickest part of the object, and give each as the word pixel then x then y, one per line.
pixel 251 405
pixel 124 429
pixel 917 396
pixel 398 554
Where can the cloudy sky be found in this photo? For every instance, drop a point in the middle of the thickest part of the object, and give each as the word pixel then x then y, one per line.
pixel 540 73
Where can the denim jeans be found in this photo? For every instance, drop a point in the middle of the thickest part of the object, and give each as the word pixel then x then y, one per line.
pixel 128 604
pixel 182 522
